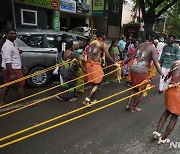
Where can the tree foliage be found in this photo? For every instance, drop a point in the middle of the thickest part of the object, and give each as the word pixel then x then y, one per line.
pixel 152 9
pixel 173 20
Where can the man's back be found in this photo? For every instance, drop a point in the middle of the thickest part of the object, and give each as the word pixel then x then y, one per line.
pixel 95 48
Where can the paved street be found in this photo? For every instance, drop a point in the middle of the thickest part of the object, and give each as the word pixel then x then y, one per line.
pixel 112 130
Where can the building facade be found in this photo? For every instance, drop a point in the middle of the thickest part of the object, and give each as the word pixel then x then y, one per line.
pixel 103 15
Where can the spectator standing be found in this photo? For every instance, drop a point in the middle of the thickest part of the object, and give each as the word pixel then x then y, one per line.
pixel 86 31
pixel 12 66
pixel 60 52
pixel 169 55
pixel 68 73
pixel 160 47
pixel 121 47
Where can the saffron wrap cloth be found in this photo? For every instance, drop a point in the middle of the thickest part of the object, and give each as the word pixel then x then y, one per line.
pixel 96 71
pixel 138 78
pixel 172 100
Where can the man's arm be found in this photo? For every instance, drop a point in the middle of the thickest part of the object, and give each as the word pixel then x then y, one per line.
pixel 177 53
pixel 107 54
pixel 156 62
pixel 10 70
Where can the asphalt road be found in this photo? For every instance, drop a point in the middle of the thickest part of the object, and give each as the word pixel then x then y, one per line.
pixel 112 130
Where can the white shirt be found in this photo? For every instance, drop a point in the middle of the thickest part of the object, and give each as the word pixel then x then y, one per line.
pixel 86 31
pixel 160 46
pixel 10 54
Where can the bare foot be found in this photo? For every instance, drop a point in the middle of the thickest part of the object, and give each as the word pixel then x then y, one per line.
pixel 128 107
pixel 73 99
pixel 136 109
pixel 59 98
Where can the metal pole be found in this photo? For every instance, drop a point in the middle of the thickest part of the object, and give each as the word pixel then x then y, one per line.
pixel 92 26
pixel 13 14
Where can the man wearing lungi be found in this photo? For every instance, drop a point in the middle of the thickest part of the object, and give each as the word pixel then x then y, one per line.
pixel 172 101
pixel 139 71
pixel 93 65
pixel 11 63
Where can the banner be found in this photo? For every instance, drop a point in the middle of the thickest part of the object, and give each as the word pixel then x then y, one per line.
pixel 56 25
pixel 98 8
pixel 68 6
pixel 50 4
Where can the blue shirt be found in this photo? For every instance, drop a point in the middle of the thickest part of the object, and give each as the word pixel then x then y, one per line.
pixel 121 45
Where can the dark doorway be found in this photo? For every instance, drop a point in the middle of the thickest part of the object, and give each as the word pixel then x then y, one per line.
pixel 75 22
pixel 49 19
pixel 63 24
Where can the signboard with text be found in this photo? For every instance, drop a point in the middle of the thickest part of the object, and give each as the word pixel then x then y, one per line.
pixel 68 6
pixel 98 8
pixel 50 4
pixel 56 25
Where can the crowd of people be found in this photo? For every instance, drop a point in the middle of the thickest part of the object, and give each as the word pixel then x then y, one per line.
pixel 136 61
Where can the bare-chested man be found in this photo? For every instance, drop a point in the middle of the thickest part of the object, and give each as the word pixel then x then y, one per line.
pixel 172 95
pixel 96 48
pixel 139 71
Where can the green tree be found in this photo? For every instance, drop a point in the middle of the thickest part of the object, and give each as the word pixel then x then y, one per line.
pixel 173 20
pixel 151 10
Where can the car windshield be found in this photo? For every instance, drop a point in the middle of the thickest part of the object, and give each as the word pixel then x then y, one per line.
pixel 34 40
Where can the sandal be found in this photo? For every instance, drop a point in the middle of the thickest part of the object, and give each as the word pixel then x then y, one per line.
pixel 163 141
pixel 156 135
pixel 137 109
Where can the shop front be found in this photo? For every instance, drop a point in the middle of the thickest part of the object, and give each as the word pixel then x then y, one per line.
pixel 73 14
pixel 43 14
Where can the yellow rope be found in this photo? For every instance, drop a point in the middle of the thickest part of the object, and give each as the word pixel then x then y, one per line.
pixel 72 119
pixel 31 75
pixel 44 99
pixel 50 88
pixel 61 116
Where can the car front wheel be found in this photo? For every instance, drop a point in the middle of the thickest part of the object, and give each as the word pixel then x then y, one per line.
pixel 38 80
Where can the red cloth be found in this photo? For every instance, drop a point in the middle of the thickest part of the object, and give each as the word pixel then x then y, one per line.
pixel 137 78
pixel 172 100
pixel 17 73
pixel 96 71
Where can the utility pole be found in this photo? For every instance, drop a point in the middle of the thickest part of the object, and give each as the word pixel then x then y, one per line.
pixel 13 14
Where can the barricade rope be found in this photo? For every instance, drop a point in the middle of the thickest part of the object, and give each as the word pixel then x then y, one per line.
pixel 56 87
pixel 32 75
pixel 44 99
pixel 71 112
pixel 69 120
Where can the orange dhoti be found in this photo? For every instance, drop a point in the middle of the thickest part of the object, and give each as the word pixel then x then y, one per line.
pixel 172 100
pixel 95 70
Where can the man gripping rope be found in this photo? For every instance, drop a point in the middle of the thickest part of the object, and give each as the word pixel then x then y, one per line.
pixel 139 71
pixel 93 64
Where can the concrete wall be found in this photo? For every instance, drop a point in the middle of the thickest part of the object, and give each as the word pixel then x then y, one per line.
pixel 113 31
pixel 100 24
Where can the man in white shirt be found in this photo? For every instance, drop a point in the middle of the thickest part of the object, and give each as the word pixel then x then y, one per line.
pixel 160 46
pixel 86 31
pixel 11 64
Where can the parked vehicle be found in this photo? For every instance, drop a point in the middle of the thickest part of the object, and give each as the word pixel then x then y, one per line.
pixel 39 51
pixel 80 31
